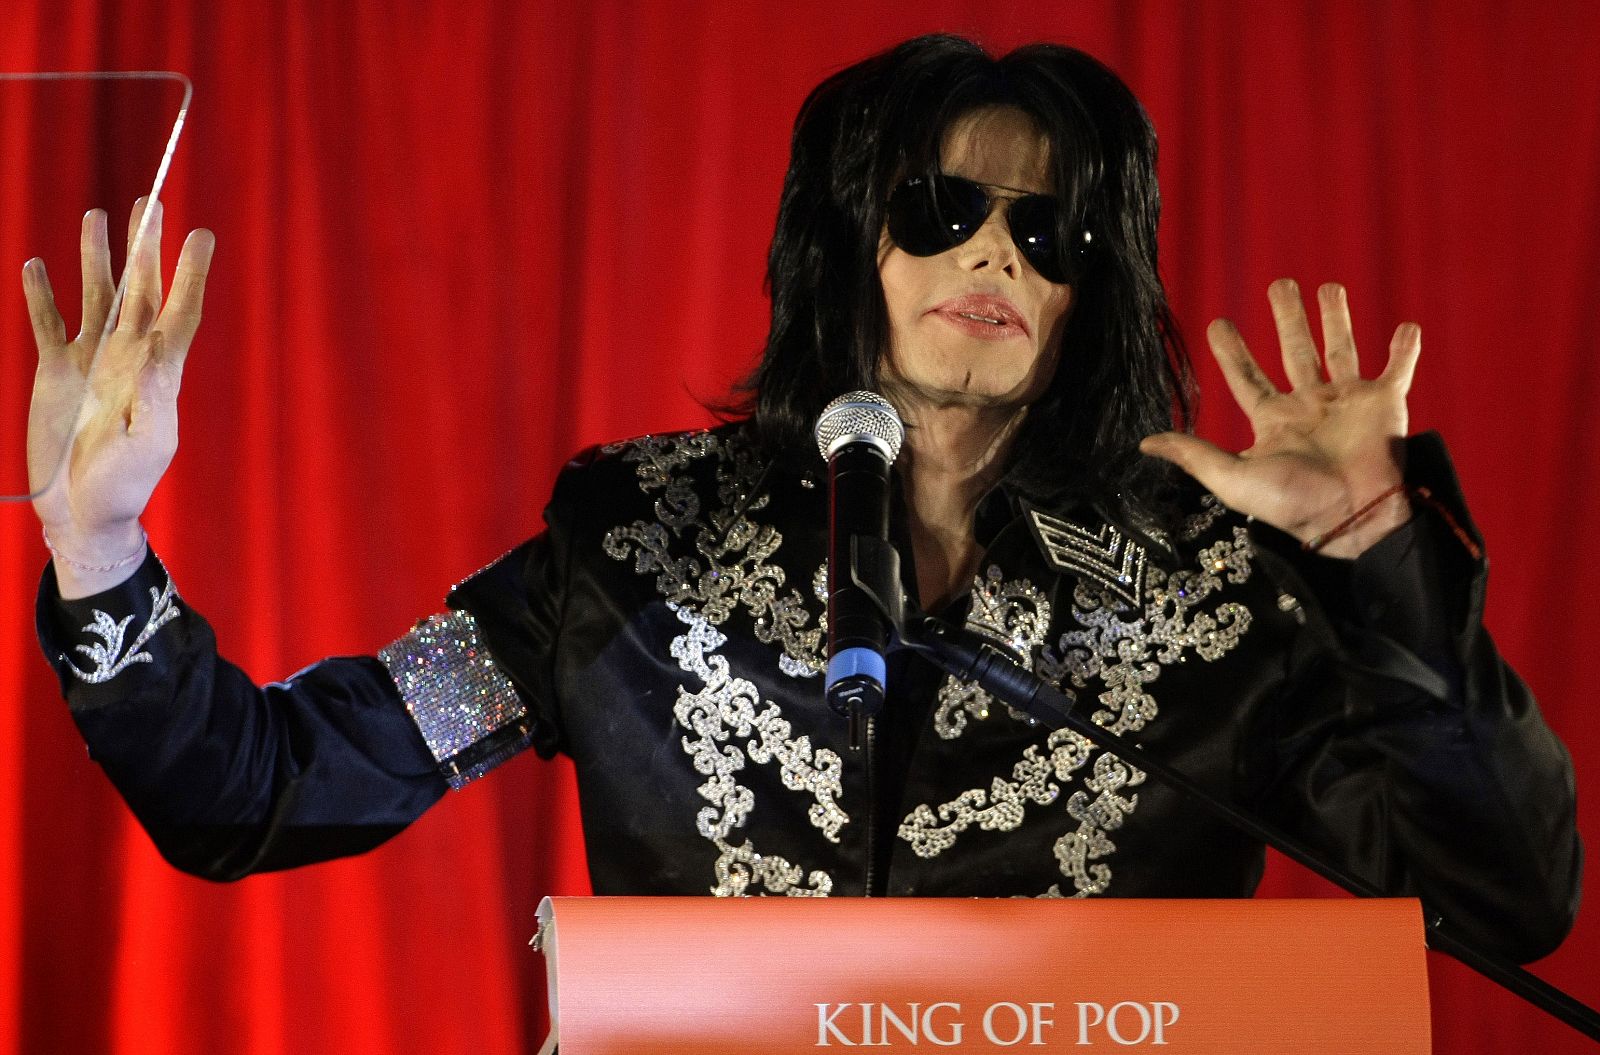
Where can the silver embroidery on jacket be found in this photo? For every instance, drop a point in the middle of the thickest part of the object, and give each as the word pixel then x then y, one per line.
pixel 729 708
pixel 1200 521
pixel 1105 812
pixel 456 693
pixel 1126 654
pixel 108 656
pixel 1014 614
pixel 1036 778
pixel 708 564
pixel 1126 651
pixel 1110 559
pixel 733 567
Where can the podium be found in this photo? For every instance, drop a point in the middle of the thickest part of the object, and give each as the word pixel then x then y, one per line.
pixel 782 976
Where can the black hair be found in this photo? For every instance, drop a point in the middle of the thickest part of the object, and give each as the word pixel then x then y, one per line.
pixel 1123 373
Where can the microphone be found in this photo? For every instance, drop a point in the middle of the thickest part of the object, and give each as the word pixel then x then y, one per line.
pixel 859 435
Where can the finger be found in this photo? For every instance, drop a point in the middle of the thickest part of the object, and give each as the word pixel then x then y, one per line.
pixel 94 260
pixel 1214 467
pixel 1338 337
pixel 142 301
pixel 153 411
pixel 1249 385
pixel 1300 360
pixel 49 330
pixel 181 316
pixel 1404 350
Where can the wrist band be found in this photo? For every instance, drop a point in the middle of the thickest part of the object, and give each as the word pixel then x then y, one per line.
pixel 1425 496
pixel 1421 494
pixel 1316 542
pixel 144 537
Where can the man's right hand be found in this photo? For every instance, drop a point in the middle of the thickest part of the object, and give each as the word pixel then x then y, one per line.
pixel 118 412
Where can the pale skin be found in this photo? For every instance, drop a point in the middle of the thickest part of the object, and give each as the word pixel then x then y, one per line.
pixel 127 430
pixel 1321 450
pixel 962 397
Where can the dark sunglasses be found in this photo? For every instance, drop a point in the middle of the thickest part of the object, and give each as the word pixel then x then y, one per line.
pixel 930 214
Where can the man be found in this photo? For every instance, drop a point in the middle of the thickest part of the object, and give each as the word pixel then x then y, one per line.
pixel 976 239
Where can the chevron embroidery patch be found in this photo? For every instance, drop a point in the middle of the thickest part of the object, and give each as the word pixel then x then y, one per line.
pixel 1107 557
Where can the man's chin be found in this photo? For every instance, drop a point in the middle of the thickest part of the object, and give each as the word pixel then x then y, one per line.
pixel 955 389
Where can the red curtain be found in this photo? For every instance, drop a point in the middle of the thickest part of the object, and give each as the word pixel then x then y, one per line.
pixel 459 241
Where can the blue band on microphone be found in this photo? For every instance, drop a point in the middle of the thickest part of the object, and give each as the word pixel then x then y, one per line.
pixel 857 661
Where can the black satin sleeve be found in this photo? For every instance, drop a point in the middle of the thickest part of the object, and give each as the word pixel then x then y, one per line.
pixel 1404 746
pixel 519 607
pixel 229 778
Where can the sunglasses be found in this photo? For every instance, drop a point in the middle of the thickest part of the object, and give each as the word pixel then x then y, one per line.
pixel 930 214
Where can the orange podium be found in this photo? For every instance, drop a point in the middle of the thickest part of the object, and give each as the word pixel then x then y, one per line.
pixel 783 976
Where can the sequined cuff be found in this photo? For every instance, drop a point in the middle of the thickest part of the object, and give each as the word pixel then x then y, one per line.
pixel 468 712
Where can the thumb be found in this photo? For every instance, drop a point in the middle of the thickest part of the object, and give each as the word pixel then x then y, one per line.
pixel 1205 461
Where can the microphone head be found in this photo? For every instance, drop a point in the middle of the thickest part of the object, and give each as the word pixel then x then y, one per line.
pixel 860 417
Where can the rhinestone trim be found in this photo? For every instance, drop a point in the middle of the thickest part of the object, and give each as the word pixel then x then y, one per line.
pixel 707 566
pixel 1126 652
pixel 467 710
pixel 108 656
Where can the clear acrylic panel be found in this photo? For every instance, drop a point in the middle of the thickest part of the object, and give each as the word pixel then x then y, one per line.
pixel 69 142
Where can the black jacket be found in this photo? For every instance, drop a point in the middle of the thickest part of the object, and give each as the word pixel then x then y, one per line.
pixel 666 632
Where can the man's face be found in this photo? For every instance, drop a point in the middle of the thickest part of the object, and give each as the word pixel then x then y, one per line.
pixel 976 324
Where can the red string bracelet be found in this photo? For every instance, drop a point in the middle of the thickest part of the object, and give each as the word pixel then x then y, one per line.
pixel 1426 497
pixel 1421 494
pixel 1316 542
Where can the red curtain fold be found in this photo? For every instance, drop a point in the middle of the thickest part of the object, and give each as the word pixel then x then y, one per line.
pixel 457 242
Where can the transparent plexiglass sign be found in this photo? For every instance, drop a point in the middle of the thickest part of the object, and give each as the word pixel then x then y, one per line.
pixel 69 143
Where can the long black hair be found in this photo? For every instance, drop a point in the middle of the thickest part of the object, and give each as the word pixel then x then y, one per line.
pixel 1123 373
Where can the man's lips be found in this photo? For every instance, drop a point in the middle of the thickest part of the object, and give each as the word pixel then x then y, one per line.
pixel 983 315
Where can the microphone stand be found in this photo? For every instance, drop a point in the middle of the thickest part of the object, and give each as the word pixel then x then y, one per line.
pixel 875 568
